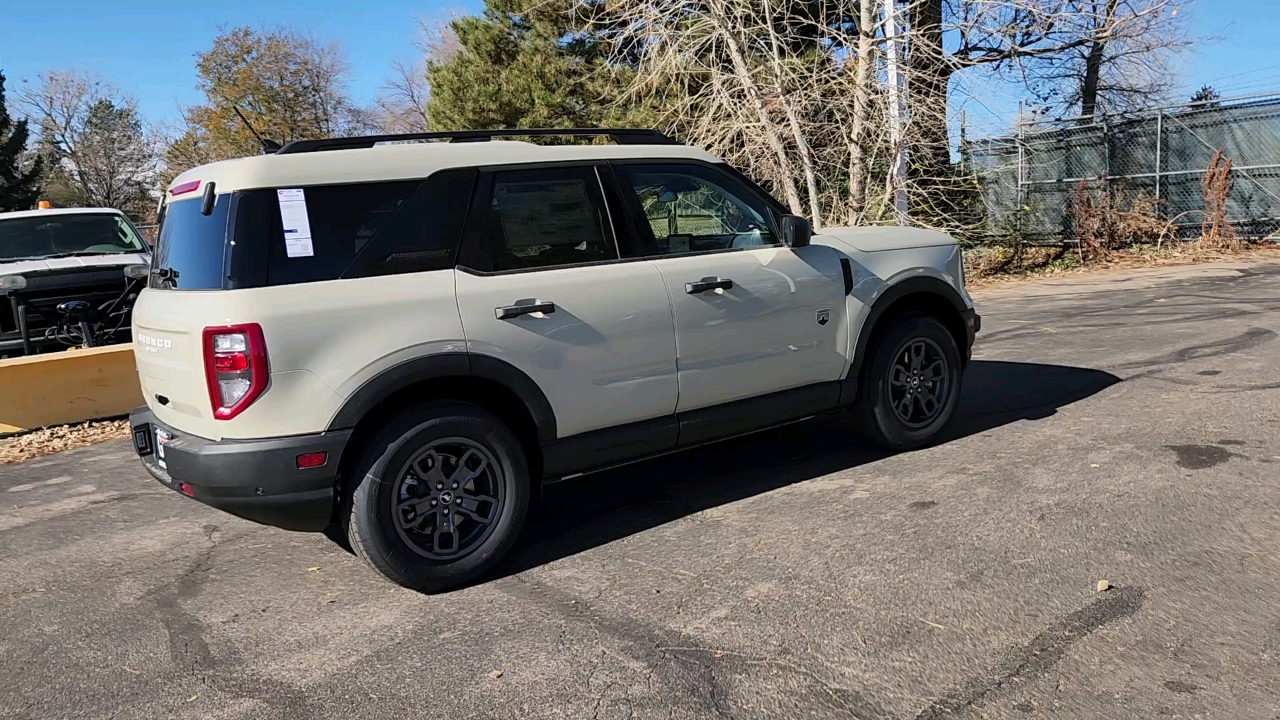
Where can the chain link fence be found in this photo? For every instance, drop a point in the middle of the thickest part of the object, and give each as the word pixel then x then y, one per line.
pixel 1027 180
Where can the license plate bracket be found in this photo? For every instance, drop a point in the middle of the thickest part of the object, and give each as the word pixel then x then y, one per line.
pixel 162 439
pixel 142 439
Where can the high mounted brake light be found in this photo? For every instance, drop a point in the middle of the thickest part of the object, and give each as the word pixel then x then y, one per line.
pixel 184 188
pixel 235 366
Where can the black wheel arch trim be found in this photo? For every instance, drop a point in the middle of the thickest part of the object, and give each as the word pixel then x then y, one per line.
pixel 920 284
pixel 445 365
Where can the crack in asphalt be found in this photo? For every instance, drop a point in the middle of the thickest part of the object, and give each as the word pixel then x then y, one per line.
pixel 187 646
pixel 189 650
pixel 1249 339
pixel 641 641
pixel 1038 656
pixel 682 663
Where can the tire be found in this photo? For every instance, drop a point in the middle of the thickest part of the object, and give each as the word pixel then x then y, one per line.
pixel 407 472
pixel 878 395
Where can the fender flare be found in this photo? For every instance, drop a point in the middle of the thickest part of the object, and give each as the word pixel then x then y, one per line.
pixel 446 365
pixel 920 284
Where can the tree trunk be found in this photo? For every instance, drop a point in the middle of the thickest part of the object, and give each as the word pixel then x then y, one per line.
pixel 861 112
pixel 1093 62
pixel 929 73
pixel 749 86
pixel 797 132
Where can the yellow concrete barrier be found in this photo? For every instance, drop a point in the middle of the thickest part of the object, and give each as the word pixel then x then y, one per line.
pixel 67 387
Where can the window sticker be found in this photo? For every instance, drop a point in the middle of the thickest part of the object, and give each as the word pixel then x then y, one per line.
pixel 297 228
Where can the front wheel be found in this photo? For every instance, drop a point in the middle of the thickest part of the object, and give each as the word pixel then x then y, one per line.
pixel 909 387
pixel 442 496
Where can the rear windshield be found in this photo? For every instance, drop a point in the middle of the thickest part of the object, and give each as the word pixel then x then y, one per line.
pixel 189 251
pixel 66 235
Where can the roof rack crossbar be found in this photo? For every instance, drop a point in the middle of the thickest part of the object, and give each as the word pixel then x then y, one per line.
pixel 622 136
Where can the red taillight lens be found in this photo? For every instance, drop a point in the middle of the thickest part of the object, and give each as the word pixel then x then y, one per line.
pixel 235 366
pixel 185 489
pixel 312 460
pixel 230 362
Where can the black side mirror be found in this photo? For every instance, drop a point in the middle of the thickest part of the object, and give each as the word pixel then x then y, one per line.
pixel 796 231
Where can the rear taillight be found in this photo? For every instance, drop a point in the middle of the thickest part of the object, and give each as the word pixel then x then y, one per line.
pixel 235 366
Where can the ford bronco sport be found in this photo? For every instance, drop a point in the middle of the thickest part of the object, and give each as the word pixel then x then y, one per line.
pixel 395 342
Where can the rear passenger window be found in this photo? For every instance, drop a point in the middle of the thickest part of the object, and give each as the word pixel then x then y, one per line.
pixel 426 233
pixel 343 220
pixel 546 218
pixel 356 230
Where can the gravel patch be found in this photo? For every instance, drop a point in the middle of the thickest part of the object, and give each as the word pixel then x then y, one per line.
pixel 47 441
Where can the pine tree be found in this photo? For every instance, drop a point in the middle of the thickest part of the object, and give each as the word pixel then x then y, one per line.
pixel 18 189
pixel 529 63
pixel 1206 97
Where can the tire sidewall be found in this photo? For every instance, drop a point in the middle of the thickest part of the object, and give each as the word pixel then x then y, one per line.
pixel 887 427
pixel 372 518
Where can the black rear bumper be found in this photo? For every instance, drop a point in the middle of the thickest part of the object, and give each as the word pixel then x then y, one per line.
pixel 257 480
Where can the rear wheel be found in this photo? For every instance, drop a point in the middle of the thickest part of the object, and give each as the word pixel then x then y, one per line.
pixel 441 498
pixel 909 387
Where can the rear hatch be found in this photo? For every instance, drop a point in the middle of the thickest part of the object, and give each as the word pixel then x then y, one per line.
pixel 170 315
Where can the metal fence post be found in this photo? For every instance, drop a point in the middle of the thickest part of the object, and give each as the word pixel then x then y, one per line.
pixel 1159 148
pixel 1017 216
pixel 1106 160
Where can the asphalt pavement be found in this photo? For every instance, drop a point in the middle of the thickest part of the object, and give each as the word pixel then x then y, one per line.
pixel 1118 427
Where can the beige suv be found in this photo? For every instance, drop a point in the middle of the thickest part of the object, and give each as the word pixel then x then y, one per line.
pixel 396 338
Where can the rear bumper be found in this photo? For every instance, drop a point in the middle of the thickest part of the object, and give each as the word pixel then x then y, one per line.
pixel 257 480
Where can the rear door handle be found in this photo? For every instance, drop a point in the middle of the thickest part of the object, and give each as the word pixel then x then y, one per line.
pixel 705 284
pixel 514 311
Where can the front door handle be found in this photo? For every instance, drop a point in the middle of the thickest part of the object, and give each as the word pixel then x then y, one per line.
pixel 707 283
pixel 513 311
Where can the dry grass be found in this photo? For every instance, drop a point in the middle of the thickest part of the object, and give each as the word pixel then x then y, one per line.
pixel 987 267
pixel 1115 227
pixel 1105 221
pixel 1215 232
pixel 47 441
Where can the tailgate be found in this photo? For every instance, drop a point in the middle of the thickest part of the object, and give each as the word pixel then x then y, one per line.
pixel 167 336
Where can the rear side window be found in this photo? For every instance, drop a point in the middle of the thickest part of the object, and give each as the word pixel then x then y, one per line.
pixel 425 234
pixel 189 251
pixel 356 230
pixel 343 220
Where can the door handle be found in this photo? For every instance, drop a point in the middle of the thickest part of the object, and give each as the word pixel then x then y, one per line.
pixel 705 284
pixel 514 311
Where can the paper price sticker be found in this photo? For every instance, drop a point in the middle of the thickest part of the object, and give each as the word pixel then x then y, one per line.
pixel 297 227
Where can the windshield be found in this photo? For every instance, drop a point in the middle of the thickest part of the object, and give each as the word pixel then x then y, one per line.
pixel 37 237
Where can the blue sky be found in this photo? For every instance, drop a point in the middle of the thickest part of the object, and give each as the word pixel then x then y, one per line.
pixel 147 48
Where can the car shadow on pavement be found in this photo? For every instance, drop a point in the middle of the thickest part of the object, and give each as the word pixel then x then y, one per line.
pixel 585 512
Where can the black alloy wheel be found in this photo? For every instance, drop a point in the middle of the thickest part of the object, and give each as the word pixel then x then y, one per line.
pixel 918 382
pixel 447 496
pixel 909 384
pixel 441 495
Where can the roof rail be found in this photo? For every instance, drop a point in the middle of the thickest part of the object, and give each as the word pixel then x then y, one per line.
pixel 622 136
